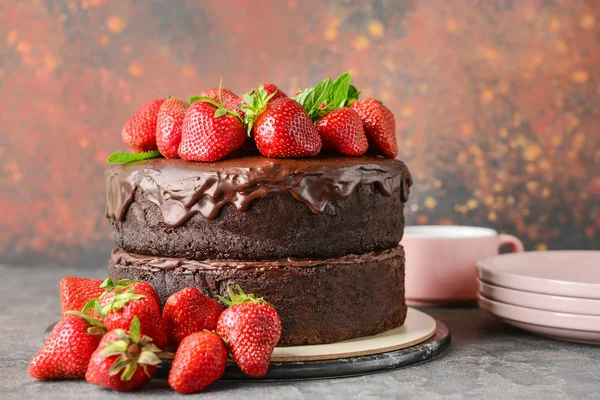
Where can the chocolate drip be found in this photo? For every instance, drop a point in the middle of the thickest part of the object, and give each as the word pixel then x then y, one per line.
pixel 182 189
pixel 123 258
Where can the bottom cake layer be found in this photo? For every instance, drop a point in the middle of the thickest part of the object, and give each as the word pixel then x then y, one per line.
pixel 319 301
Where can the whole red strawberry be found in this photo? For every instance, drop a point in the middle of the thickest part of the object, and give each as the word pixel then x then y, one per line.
pixel 124 360
pixel 210 132
pixel 342 131
pixel 168 126
pixel 119 307
pixel 76 292
pixel 379 124
pixel 139 287
pixel 67 351
pixel 281 127
pixel 200 360
pixel 251 327
pixel 230 100
pixel 139 133
pixel 189 311
pixel 271 88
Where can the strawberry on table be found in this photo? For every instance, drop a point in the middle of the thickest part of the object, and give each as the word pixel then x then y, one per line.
pixel 342 131
pixel 120 306
pixel 76 292
pixel 379 124
pixel 200 360
pixel 251 328
pixel 67 351
pixel 211 131
pixel 139 132
pixel 189 311
pixel 281 127
pixel 124 360
pixel 168 126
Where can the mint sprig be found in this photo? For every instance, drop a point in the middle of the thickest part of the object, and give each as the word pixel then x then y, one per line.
pixel 120 157
pixel 328 95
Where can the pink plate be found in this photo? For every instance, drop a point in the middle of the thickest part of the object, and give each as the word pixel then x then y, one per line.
pixel 563 326
pixel 574 305
pixel 559 273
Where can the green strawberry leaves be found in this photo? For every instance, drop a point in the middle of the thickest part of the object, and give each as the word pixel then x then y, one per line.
pixel 133 352
pixel 254 104
pixel 120 300
pixel 221 109
pixel 109 284
pixel 135 329
pixel 240 297
pixel 120 157
pixel 328 95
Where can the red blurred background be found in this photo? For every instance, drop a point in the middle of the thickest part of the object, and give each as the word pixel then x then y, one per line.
pixel 497 102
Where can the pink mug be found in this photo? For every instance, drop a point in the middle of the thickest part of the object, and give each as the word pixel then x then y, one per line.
pixel 440 261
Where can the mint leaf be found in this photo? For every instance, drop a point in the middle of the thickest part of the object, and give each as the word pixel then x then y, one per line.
pixel 312 98
pixel 193 99
pixel 120 157
pixel 353 95
pixel 327 96
pixel 339 93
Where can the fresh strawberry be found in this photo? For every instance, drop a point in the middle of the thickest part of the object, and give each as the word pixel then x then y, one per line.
pixel 189 311
pixel 281 127
pixel 230 100
pixel 67 350
pixel 76 292
pixel 200 360
pixel 124 360
pixel 139 133
pixel 168 126
pixel 138 287
pixel 120 306
pixel 251 327
pixel 271 88
pixel 379 125
pixel 210 131
pixel 342 131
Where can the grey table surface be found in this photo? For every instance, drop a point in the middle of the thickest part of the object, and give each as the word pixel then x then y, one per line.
pixel 486 359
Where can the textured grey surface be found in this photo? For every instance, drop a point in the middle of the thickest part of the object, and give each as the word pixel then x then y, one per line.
pixel 486 359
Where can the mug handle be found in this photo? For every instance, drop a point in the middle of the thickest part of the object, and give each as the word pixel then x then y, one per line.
pixel 516 246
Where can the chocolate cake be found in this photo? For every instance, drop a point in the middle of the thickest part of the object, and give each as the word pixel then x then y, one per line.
pixel 318 238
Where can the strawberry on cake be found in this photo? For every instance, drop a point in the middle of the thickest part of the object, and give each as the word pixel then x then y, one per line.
pixel 298 200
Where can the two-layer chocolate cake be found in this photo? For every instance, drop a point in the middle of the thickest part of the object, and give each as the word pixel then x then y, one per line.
pixel 316 237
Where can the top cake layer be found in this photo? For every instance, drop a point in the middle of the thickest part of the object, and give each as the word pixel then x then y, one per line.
pixel 182 189
pixel 257 207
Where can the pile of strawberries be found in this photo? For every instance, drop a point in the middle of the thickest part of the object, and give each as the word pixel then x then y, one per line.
pixel 327 117
pixel 113 335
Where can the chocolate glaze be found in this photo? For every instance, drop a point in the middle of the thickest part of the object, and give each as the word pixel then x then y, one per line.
pixel 121 257
pixel 182 189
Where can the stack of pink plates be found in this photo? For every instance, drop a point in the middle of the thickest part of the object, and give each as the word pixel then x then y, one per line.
pixel 551 293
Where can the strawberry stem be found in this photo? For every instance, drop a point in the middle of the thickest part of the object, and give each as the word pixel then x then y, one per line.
pixel 240 297
pixel 255 103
